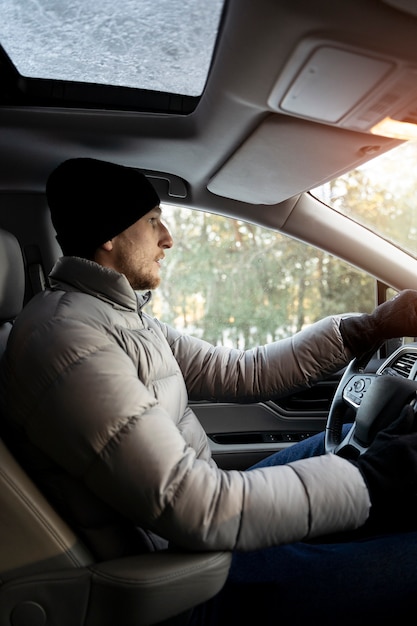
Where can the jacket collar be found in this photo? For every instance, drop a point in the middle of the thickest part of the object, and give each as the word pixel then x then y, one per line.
pixel 76 274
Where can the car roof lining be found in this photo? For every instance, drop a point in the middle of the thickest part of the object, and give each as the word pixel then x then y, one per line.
pixel 212 149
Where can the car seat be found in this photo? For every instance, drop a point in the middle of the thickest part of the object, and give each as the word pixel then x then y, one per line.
pixel 48 576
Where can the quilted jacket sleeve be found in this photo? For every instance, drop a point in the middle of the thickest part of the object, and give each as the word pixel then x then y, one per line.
pixel 218 373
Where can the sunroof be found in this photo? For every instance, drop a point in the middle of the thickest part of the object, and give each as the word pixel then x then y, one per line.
pixel 156 45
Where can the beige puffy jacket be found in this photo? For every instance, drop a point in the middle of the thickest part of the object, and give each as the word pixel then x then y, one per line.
pixel 98 391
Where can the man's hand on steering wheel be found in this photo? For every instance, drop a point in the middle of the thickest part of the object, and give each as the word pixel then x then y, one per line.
pixel 389 464
pixel 395 318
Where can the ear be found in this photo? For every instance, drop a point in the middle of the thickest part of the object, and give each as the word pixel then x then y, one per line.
pixel 108 245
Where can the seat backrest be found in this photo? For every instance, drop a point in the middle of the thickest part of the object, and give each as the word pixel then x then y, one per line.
pixel 12 284
pixel 32 536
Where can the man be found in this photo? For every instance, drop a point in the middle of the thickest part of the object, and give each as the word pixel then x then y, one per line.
pixel 104 424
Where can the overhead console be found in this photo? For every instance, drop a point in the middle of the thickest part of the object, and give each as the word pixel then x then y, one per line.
pixel 347 87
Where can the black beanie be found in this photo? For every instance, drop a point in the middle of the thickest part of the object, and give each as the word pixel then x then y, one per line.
pixel 92 201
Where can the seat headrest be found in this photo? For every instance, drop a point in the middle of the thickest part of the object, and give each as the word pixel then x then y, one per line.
pixel 12 277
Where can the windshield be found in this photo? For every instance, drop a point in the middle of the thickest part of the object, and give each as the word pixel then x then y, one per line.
pixel 381 195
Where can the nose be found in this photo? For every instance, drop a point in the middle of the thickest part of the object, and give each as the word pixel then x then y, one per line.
pixel 165 239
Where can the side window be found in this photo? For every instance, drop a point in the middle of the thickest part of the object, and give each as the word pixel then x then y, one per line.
pixel 234 283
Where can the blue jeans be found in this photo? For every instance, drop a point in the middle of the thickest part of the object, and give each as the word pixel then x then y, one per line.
pixel 348 579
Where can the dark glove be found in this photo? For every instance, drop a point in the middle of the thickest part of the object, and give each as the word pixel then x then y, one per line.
pixel 389 468
pixel 395 318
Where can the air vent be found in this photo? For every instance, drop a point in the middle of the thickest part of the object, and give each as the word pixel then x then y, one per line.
pixel 404 364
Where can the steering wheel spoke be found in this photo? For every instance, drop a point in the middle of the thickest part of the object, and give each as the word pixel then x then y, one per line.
pixel 349 393
pixel 376 400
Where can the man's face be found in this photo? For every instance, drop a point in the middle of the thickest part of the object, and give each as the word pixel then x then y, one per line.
pixel 138 250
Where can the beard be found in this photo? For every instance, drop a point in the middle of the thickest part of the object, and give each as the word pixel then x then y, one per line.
pixel 136 264
pixel 142 281
pixel 139 278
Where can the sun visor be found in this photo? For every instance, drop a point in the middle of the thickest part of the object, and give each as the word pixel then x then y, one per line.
pixel 265 169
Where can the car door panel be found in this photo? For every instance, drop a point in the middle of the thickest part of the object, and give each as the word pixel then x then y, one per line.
pixel 240 435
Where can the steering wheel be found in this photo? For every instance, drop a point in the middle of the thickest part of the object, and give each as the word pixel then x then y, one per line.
pixel 376 400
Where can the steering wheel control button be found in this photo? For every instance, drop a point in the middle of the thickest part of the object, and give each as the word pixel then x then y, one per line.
pixel 356 388
pixel 359 385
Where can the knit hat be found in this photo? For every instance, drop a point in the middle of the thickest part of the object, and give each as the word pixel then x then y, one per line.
pixel 92 201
